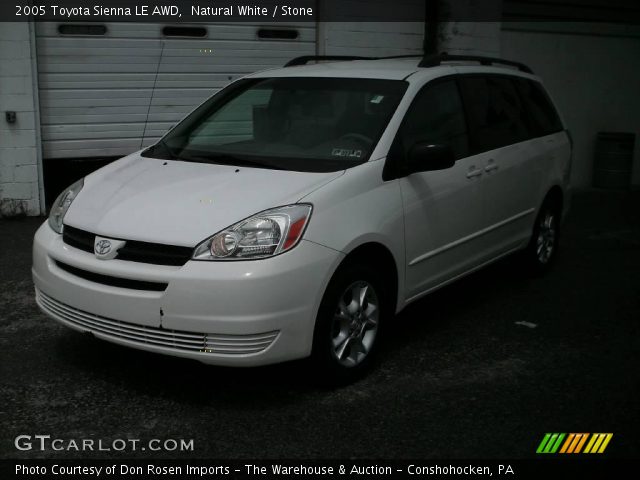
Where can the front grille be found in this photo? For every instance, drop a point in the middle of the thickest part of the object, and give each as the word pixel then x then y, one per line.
pixel 155 336
pixel 78 238
pixel 113 281
pixel 133 250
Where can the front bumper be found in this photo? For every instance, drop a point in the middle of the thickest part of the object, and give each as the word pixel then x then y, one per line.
pixel 242 313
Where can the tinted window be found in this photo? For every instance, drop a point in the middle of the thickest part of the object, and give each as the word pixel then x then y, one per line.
pixel 542 116
pixel 297 123
pixel 234 122
pixel 436 116
pixel 495 111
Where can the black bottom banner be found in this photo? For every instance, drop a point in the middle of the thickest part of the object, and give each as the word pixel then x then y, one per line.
pixel 198 468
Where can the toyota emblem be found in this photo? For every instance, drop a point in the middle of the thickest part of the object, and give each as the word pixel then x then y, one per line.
pixel 103 247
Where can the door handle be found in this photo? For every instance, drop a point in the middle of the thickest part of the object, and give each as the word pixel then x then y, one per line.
pixel 491 166
pixel 474 172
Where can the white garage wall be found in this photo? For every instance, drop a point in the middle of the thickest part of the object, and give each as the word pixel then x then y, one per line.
pixel 19 162
pixel 593 78
pixel 96 91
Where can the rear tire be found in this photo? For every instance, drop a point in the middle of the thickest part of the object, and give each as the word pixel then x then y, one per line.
pixel 349 323
pixel 541 252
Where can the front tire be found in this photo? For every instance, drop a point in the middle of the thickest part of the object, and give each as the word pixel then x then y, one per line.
pixel 349 323
pixel 541 252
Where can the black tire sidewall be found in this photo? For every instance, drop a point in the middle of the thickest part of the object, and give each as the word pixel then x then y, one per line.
pixel 327 366
pixel 531 255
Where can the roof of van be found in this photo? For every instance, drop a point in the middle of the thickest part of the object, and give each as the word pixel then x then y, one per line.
pixel 388 68
pixel 392 69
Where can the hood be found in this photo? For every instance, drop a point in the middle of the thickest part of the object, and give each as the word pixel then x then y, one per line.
pixel 181 203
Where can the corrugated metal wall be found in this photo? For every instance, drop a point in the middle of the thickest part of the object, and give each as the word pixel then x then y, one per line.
pixel 96 91
pixel 355 35
pixel 610 11
pixel 374 39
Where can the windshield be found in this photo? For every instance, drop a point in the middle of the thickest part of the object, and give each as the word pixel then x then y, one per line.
pixel 305 124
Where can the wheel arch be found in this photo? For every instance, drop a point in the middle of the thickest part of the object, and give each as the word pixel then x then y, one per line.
pixel 379 254
pixel 556 195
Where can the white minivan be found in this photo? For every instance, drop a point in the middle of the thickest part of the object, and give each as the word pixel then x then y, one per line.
pixel 296 211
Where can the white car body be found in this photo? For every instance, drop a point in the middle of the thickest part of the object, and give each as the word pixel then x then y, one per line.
pixel 436 226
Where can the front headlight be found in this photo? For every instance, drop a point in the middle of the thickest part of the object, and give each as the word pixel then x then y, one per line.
pixel 263 235
pixel 62 204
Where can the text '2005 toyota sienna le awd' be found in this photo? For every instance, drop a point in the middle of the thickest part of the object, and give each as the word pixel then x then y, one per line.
pixel 297 210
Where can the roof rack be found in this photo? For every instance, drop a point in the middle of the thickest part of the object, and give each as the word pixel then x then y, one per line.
pixel 310 58
pixel 425 62
pixel 435 60
pixel 393 57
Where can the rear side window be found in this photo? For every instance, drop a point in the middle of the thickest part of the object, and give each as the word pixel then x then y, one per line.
pixel 495 111
pixel 436 116
pixel 542 116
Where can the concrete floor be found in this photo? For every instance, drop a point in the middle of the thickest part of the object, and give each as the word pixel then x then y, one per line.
pixel 458 376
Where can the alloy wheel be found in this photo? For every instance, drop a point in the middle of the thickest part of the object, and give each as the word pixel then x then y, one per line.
pixel 546 241
pixel 355 323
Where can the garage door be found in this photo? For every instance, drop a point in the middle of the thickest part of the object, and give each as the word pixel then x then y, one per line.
pixel 106 90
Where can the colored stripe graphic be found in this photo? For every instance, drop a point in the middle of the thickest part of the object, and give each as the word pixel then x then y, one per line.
pixel 543 443
pixel 583 439
pixel 550 443
pixel 567 443
pixel 598 442
pixel 606 442
pixel 577 441
pixel 574 442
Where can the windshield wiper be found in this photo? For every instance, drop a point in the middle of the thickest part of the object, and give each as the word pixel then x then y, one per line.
pixel 227 159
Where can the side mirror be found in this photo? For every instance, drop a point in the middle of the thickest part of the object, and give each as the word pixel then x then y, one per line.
pixel 425 157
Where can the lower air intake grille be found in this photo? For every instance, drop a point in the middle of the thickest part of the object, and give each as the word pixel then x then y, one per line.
pixel 154 336
pixel 113 281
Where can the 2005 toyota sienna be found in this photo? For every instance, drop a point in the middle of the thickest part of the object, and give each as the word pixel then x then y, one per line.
pixel 296 211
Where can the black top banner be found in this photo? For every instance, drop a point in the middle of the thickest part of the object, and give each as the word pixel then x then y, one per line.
pixel 161 11
pixel 270 11
pixel 213 11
